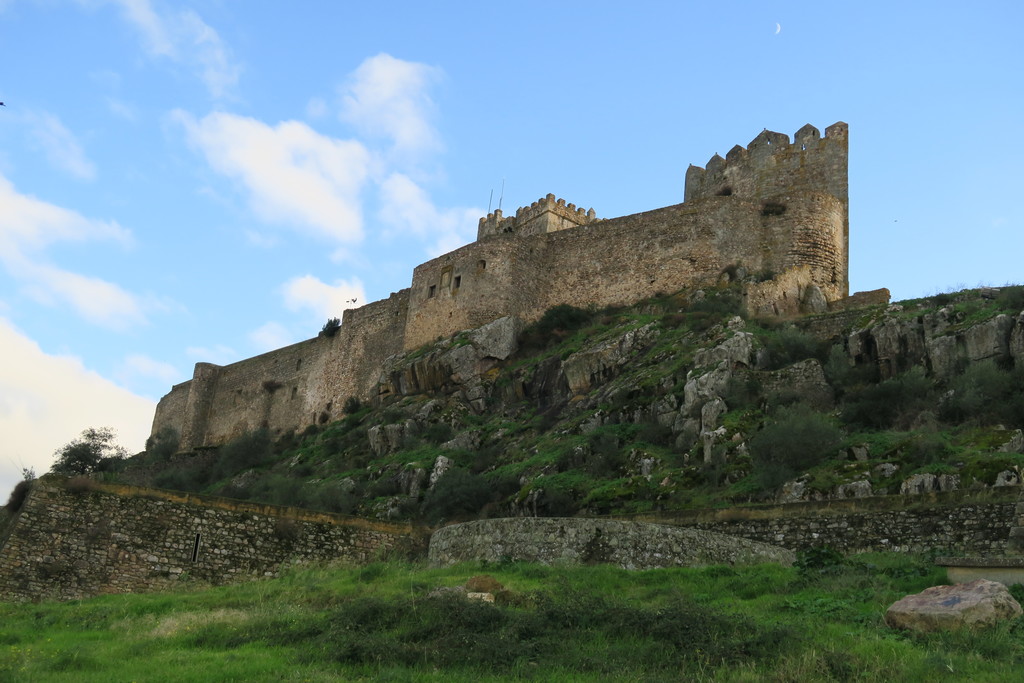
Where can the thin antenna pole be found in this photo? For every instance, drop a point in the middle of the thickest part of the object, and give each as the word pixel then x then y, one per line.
pixel 502 194
pixel 489 200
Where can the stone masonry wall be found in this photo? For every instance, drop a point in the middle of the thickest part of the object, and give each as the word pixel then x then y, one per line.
pixel 117 539
pixel 630 545
pixel 964 523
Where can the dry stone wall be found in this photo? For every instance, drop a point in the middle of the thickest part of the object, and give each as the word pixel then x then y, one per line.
pixel 116 539
pixel 971 523
pixel 630 545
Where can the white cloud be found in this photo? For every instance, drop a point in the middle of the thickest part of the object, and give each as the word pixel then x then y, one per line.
pixel 46 401
pixel 327 301
pixel 388 97
pixel 271 336
pixel 293 174
pixel 59 145
pixel 29 225
pixel 316 108
pixel 122 109
pixel 139 365
pixel 408 208
pixel 219 355
pixel 183 37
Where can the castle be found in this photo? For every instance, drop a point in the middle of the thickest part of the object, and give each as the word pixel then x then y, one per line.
pixel 776 207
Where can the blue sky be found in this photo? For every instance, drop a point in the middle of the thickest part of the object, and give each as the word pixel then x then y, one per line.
pixel 184 182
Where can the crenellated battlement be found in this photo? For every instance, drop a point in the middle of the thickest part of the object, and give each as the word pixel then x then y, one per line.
pixel 547 214
pixel 771 164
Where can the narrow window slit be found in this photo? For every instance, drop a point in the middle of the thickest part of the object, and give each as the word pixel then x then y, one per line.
pixel 195 548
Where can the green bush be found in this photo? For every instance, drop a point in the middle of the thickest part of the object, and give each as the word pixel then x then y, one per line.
pixel 458 493
pixel 331 327
pixel 93 451
pixel 18 496
pixel 163 444
pixel 247 451
pixel 986 393
pixel 790 345
pixel 352 405
pixel 795 441
pixel 896 402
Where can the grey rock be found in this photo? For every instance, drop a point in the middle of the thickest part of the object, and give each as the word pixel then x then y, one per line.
pixel 498 339
pixel 814 300
pixel 989 340
pixel 977 604
pixel 1007 478
pixel 598 364
pixel 710 412
pixel 1015 444
pixel 737 349
pixel 441 465
pixel 886 469
pixel 860 452
pixel 854 489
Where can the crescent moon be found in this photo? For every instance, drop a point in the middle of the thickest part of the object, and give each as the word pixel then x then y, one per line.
pixel 778 28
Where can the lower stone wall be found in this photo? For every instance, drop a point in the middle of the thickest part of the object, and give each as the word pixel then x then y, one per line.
pixel 71 542
pixel 960 523
pixel 630 545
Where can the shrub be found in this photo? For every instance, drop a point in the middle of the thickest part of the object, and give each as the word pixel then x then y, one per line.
pixel 1011 299
pixel 986 393
pixel 162 445
pixel 88 453
pixel 352 405
pixel 458 493
pixel 437 433
pixel 18 496
pixel 790 345
pixel 797 440
pixel 330 327
pixel 244 452
pixel 896 402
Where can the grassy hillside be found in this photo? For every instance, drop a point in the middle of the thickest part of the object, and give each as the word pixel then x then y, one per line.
pixel 820 621
pixel 593 416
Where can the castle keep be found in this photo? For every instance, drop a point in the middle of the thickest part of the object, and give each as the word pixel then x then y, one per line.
pixel 775 207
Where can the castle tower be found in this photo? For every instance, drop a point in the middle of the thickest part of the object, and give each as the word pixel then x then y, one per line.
pixel 547 214
pixel 773 171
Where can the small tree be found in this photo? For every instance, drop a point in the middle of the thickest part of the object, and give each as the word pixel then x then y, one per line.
pixel 93 450
pixel 331 327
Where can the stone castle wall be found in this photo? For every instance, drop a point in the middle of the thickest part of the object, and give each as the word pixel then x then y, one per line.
pixel 775 207
pixel 68 545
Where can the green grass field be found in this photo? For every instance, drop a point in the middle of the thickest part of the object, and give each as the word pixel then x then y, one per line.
pixel 820 621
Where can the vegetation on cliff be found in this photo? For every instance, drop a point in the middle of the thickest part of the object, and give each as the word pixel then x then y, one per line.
pixel 676 402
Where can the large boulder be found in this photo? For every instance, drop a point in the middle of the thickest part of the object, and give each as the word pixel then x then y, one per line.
pixel 947 608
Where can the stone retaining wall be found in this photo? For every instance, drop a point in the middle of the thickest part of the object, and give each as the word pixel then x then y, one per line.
pixel 67 544
pixel 974 523
pixel 630 545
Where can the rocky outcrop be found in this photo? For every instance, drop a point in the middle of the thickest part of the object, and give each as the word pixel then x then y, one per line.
pixel 594 366
pixel 936 340
pixel 976 604
pixel 456 366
